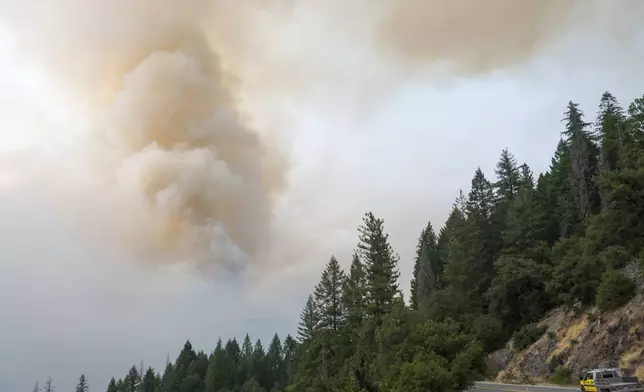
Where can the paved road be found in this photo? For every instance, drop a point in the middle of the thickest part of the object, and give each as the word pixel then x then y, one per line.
pixel 496 387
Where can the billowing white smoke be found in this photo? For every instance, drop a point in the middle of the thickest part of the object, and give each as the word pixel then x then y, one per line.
pixel 169 165
pixel 167 162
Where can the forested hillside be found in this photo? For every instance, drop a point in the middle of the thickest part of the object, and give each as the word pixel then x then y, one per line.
pixel 514 247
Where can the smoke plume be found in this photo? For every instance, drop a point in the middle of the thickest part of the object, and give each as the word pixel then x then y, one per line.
pixel 171 162
pixel 168 163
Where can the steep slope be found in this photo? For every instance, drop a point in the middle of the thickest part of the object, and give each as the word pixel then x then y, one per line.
pixel 576 340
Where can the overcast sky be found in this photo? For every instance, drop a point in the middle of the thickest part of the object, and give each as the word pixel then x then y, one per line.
pixel 70 304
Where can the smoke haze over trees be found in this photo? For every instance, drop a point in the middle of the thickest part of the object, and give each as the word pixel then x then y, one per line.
pixel 515 245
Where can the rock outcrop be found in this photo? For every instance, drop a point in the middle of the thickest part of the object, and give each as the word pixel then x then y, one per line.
pixel 578 340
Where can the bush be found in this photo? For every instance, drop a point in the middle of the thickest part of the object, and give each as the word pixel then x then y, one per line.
pixel 614 290
pixel 591 317
pixel 562 376
pixel 615 257
pixel 527 335
pixel 489 331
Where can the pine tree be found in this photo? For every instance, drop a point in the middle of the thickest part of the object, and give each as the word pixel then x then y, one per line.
pixel 132 380
pixel 328 296
pixel 508 175
pixel 184 359
pixel 275 362
pixel 584 161
pixel 526 223
pixel 483 233
pixel 481 200
pixel 49 386
pixel 559 196
pixel 610 129
pixel 526 178
pixel 427 267
pixel 381 265
pixel 217 373
pixel 290 352
pixel 413 287
pixel 150 381
pixel 233 354
pixel 82 384
pixel 354 292
pixel 168 380
pixel 260 366
pixel 246 357
pixel 247 347
pixel 309 320
pixel 120 385
pixel 36 388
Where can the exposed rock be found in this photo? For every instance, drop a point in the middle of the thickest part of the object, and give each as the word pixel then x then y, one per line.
pixel 581 340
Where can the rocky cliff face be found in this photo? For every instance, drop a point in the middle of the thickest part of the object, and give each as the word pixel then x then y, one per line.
pixel 579 340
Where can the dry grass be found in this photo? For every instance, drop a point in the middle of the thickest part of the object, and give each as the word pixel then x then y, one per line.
pixel 570 336
pixel 631 356
pixel 639 372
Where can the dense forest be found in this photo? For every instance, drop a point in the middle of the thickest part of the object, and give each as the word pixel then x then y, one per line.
pixel 513 247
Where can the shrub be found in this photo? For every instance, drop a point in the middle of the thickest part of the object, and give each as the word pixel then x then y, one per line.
pixel 591 317
pixel 527 335
pixel 615 257
pixel 489 331
pixel 561 376
pixel 614 290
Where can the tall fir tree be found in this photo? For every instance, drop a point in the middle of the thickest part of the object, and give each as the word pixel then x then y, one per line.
pixel 483 234
pixel 49 386
pixel 354 293
pixel 509 176
pixel 290 357
pixel 427 267
pixel 381 266
pixel 526 178
pixel 132 380
pixel 217 369
pixel 584 156
pixel 260 366
pixel 247 357
pixel 150 381
pixel 275 362
pixel 309 320
pixel 82 385
pixel 610 129
pixel 328 296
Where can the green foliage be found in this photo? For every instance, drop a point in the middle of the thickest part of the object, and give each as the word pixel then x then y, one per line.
pixel 428 266
pixel 509 252
pixel 381 266
pixel 328 296
pixel 614 291
pixel 562 376
pixel 49 386
pixel 527 335
pixel 309 320
pixel 82 385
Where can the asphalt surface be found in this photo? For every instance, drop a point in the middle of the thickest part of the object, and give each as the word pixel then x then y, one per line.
pixel 496 387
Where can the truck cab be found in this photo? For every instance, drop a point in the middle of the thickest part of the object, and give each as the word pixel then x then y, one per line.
pixel 608 380
pixel 588 381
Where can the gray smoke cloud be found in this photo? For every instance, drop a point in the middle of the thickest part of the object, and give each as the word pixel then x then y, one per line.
pixel 172 167
pixel 172 161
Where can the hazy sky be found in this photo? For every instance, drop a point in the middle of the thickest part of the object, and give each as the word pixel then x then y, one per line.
pixel 361 135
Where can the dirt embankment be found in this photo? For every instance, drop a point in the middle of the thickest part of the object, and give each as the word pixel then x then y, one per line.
pixel 578 340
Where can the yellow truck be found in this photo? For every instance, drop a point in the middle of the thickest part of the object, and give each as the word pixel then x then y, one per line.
pixel 608 380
